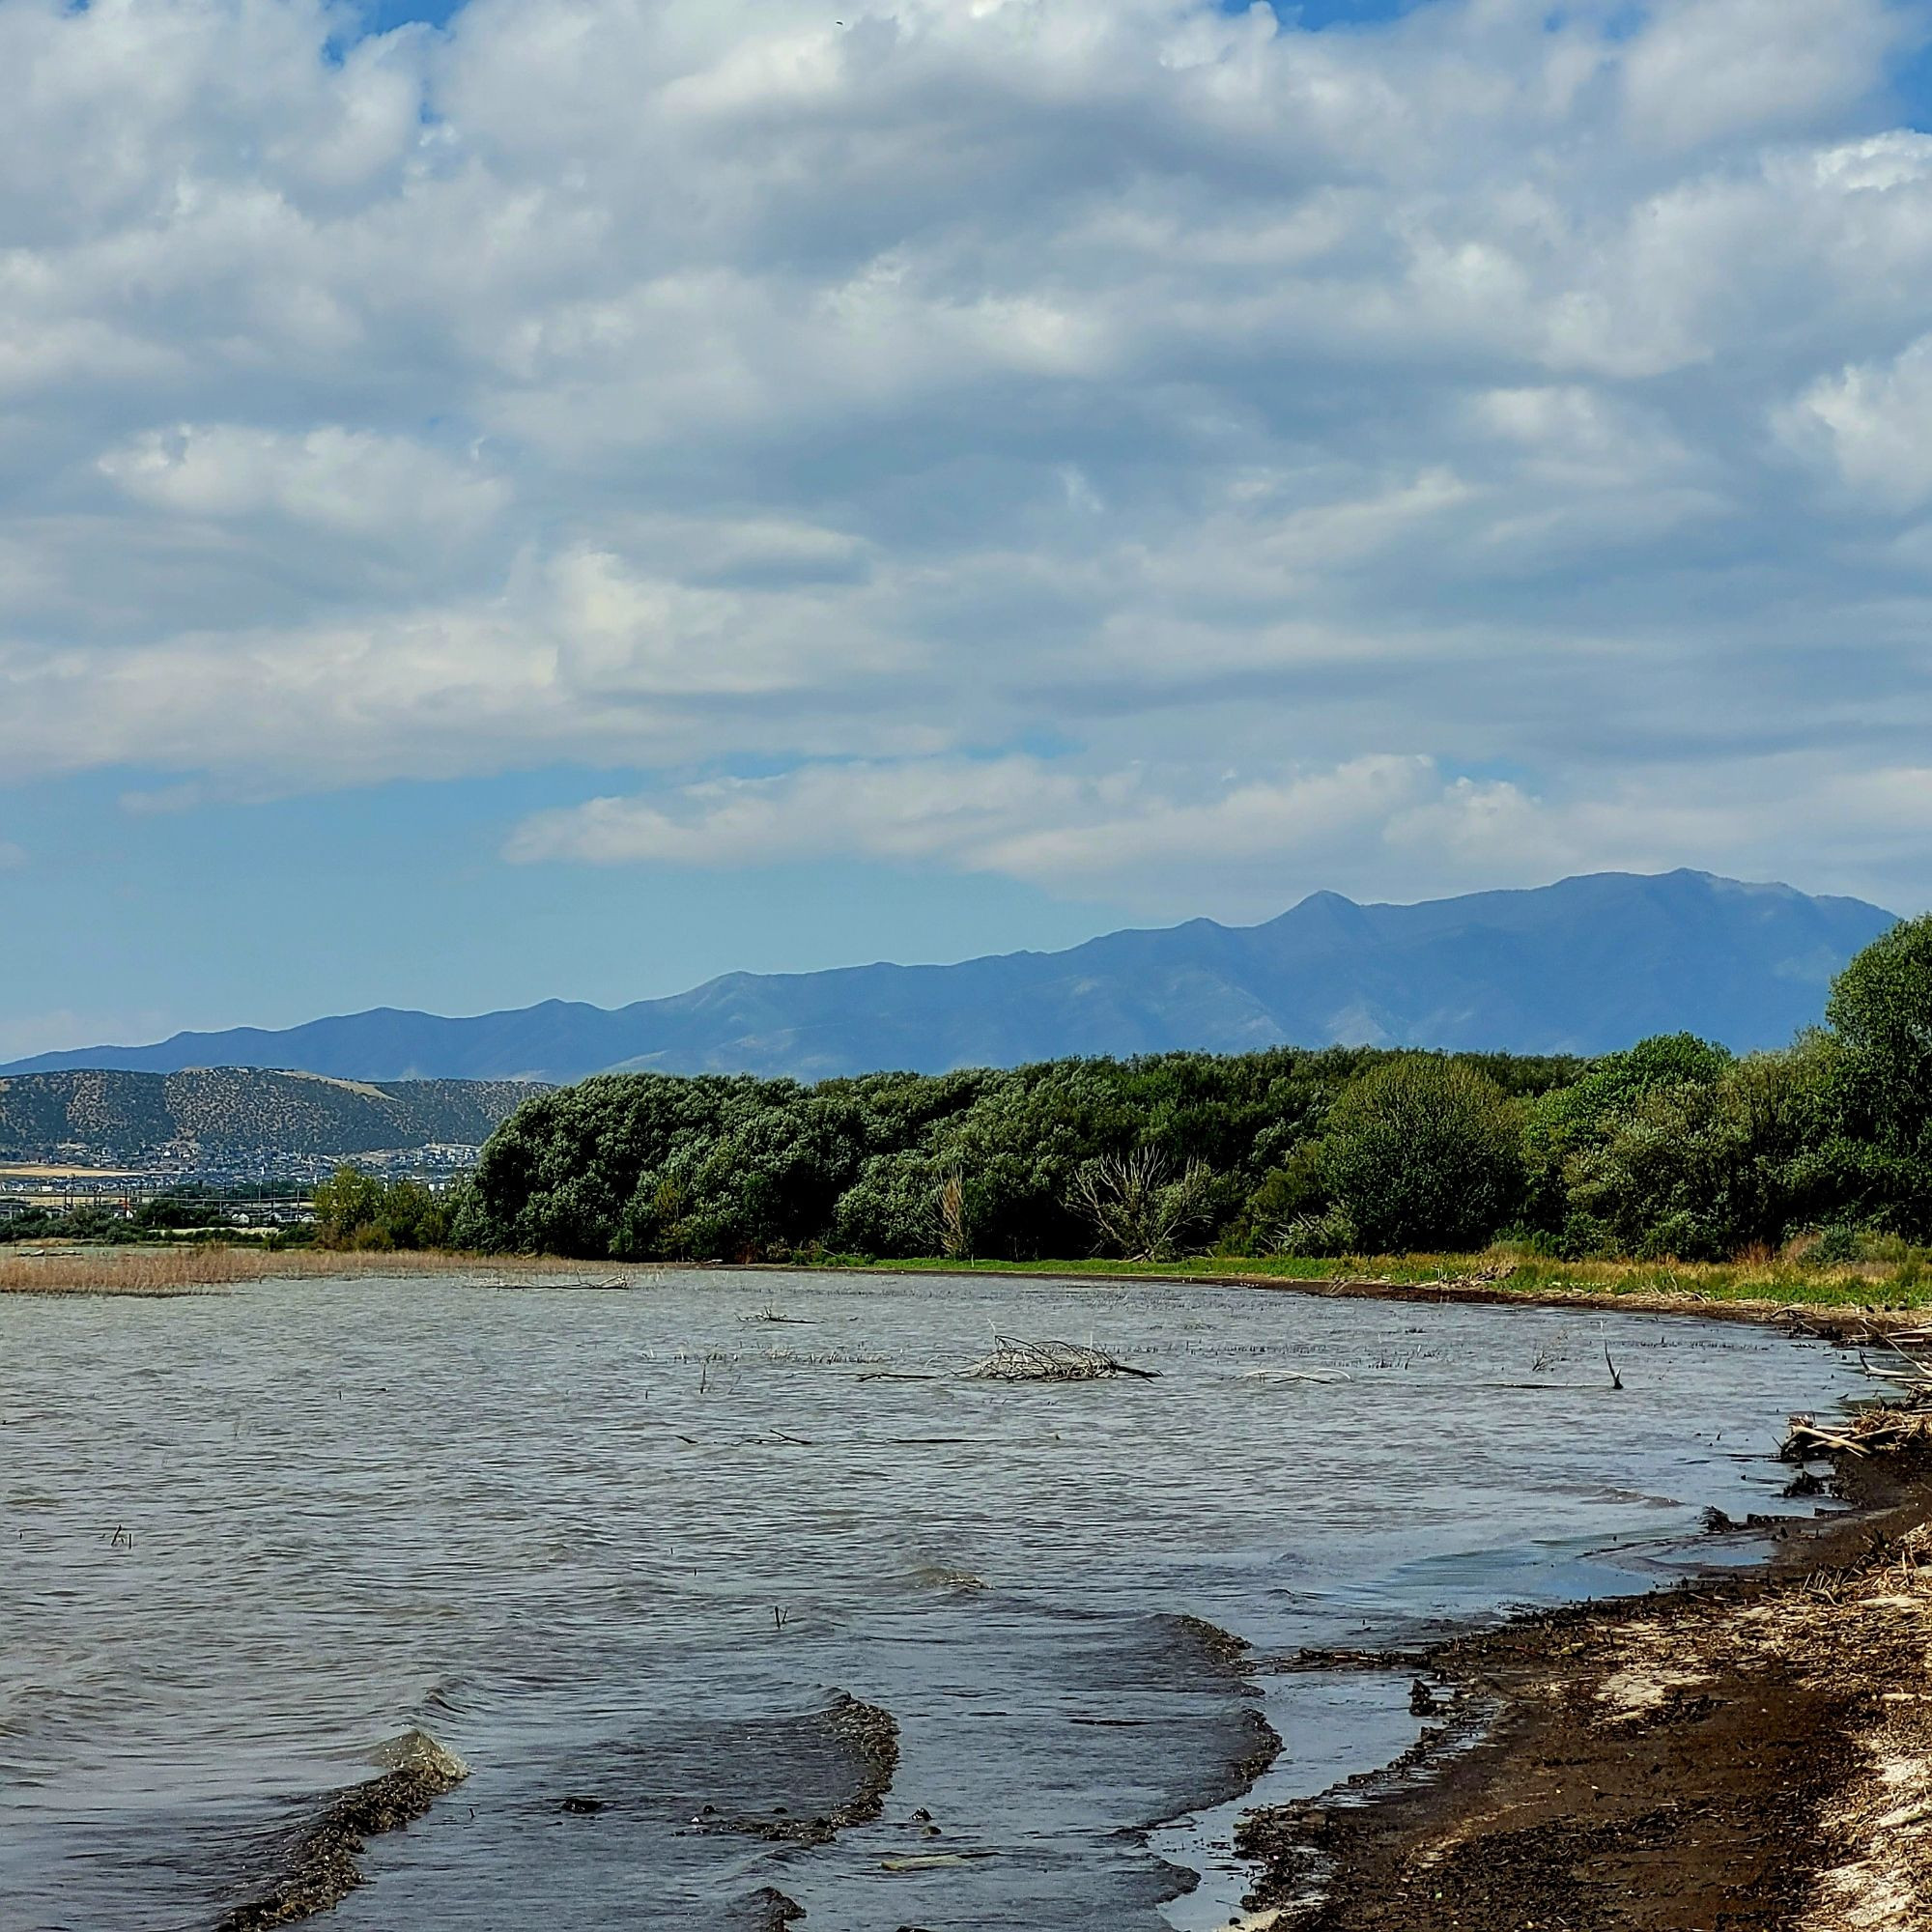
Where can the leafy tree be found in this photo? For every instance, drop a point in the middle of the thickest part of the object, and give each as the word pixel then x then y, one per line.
pixel 1424 1152
pixel 1568 1128
pixel 347 1207
pixel 354 1210
pixel 1876 1162
pixel 1881 1011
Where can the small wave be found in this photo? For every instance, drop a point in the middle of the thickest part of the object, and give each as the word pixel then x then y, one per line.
pixel 316 1863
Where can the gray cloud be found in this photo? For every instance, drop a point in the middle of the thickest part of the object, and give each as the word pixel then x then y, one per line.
pixel 1449 451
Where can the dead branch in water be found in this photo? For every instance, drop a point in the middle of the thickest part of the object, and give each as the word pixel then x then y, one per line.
pixel 1016 1361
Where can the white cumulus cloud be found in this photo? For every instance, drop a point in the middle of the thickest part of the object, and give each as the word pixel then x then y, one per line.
pixel 731 386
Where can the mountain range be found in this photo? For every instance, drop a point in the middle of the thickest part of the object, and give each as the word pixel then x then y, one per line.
pixel 1583 966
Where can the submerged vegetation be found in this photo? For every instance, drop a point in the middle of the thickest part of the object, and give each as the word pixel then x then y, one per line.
pixel 1673 1150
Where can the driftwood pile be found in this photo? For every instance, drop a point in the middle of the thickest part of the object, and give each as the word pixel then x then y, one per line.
pixel 1902 1421
pixel 1877 1431
pixel 1905 1364
pixel 1016 1361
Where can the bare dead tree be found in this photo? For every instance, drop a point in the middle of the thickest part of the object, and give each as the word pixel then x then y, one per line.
pixel 1137 1206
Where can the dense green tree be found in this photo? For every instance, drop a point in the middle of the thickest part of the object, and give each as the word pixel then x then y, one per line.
pixel 1424 1152
pixel 1698 1170
pixel 1876 1162
pixel 1881 1013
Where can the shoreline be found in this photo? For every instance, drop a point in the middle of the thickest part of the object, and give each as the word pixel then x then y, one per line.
pixel 1827 1320
pixel 1745 1750
pixel 1830 1305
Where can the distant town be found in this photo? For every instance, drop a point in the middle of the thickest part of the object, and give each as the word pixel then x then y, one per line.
pixel 243 1193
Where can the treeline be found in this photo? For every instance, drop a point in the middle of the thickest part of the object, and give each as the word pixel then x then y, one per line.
pixel 1674 1147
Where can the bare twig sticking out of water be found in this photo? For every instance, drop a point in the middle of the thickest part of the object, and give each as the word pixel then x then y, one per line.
pixel 1015 1361
pixel 1616 1380
pixel 780 1617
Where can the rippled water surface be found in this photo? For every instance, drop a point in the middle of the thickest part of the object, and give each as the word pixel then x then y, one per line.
pixel 631 1546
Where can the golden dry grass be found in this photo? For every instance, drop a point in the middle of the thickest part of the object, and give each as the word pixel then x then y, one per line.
pixel 207 1266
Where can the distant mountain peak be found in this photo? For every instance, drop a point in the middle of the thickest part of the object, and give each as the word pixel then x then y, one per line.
pixel 1584 965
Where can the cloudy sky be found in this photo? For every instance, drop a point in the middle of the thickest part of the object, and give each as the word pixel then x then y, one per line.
pixel 567 497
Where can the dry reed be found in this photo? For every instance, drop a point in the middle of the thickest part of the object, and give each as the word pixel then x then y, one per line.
pixel 207 1266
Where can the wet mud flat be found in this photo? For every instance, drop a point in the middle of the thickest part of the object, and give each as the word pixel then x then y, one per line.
pixel 1751 1753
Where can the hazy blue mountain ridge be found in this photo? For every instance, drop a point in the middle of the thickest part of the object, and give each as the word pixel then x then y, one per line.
pixel 1584 966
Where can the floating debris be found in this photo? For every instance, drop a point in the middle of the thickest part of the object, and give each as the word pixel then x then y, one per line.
pixel 1015 1361
pixel 1902 1421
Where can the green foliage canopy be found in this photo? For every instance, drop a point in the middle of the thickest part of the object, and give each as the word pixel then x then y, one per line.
pixel 1673 1147
pixel 1424 1152
pixel 358 1210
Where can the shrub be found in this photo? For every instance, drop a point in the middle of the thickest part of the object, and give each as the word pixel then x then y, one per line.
pixel 357 1211
pixel 1320 1236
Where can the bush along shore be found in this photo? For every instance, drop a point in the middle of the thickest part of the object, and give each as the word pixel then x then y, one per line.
pixel 1816 1159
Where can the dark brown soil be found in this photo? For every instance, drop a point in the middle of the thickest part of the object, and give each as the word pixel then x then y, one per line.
pixel 1751 1754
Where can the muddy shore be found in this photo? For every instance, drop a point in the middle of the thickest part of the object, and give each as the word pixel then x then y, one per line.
pixel 1752 1752
pixel 1489 1288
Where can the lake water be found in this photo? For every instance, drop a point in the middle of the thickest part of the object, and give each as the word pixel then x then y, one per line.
pixel 631 1548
